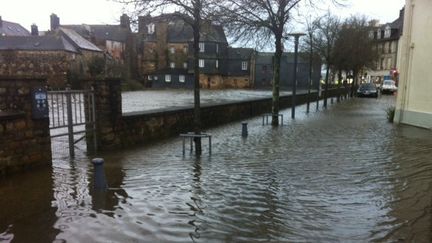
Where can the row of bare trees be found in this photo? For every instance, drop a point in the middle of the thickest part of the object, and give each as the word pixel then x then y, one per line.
pixel 343 46
pixel 245 20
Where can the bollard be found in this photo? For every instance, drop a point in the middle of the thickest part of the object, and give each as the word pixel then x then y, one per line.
pixel 99 174
pixel 244 129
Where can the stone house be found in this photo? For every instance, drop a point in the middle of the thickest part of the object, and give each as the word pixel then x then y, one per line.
pixel 113 39
pixel 240 68
pixel 51 55
pixel 165 55
pixel 414 98
pixel 386 38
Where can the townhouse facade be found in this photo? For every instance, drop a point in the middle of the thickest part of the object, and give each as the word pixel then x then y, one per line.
pixel 386 38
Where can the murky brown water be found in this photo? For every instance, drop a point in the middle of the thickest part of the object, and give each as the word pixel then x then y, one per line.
pixel 342 175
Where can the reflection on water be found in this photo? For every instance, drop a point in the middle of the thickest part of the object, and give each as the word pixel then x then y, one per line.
pixel 343 174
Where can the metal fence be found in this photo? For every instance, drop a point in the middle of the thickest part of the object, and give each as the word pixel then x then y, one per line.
pixel 72 113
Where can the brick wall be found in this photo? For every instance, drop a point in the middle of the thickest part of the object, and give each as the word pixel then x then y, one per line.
pixel 24 142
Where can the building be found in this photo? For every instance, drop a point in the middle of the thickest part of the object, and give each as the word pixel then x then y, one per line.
pixel 414 97
pixel 386 38
pixel 53 56
pixel 263 75
pixel 12 29
pixel 113 39
pixel 165 52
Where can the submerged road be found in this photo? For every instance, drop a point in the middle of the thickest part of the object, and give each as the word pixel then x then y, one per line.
pixel 343 174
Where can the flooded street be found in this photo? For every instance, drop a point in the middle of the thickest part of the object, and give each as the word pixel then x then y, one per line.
pixel 342 174
pixel 158 99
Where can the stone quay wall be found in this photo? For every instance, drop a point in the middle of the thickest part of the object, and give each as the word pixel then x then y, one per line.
pixel 116 130
pixel 24 142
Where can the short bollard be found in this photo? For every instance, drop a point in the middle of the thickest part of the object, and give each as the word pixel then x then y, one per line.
pixel 99 174
pixel 244 129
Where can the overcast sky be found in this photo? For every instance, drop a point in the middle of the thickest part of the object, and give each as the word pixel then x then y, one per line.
pixel 27 12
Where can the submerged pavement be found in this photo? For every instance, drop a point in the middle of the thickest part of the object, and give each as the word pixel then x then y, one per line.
pixel 161 99
pixel 342 174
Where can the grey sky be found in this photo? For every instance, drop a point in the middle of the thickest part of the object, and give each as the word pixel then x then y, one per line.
pixel 27 12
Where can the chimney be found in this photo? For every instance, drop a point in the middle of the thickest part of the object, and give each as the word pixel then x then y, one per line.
pixel 34 30
pixel 125 21
pixel 55 22
pixel 1 22
pixel 141 24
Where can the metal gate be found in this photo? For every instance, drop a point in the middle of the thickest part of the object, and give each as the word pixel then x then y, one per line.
pixel 72 113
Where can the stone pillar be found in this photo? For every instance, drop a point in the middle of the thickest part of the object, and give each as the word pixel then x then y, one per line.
pixel 24 142
pixel 108 102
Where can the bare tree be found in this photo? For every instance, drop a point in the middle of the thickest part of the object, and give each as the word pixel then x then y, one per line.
pixel 324 38
pixel 354 49
pixel 262 21
pixel 193 13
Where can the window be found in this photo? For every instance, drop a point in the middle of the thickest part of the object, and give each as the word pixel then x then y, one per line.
pixel 185 65
pixel 387 32
pixel 150 28
pixel 172 64
pixel 389 63
pixel 244 66
pixel 181 78
pixel 201 63
pixel 167 78
pixel 149 77
pixel 172 50
pixel 201 47
pixel 217 48
pixel 185 49
pixel 217 63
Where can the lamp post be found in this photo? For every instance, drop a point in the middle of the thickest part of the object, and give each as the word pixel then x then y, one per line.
pixel 296 39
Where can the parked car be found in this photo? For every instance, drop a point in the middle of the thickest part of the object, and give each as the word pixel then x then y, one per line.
pixel 367 90
pixel 388 87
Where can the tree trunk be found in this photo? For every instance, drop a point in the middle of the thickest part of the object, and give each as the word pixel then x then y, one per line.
pixel 276 80
pixel 310 76
pixel 197 109
pixel 326 85
pixel 354 84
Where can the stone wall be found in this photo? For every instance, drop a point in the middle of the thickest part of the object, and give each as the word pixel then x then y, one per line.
pixel 51 64
pixel 117 130
pixel 24 142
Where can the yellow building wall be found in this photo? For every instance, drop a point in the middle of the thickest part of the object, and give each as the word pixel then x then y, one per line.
pixel 414 100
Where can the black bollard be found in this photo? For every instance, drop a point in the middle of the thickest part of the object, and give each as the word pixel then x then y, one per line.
pixel 99 174
pixel 244 129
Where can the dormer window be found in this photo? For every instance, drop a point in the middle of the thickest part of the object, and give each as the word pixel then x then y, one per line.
pixel 387 32
pixel 150 28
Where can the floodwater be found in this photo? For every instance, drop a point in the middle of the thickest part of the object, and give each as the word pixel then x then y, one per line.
pixel 159 99
pixel 340 175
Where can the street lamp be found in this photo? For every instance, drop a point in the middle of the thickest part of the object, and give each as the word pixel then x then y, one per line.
pixel 296 39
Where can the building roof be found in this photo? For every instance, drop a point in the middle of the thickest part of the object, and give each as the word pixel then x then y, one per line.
pixel 60 40
pixel 179 31
pixel 100 32
pixel 240 53
pixel 12 29
pixel 78 40
pixel 37 43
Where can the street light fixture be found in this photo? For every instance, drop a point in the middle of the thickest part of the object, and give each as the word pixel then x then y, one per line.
pixel 296 39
